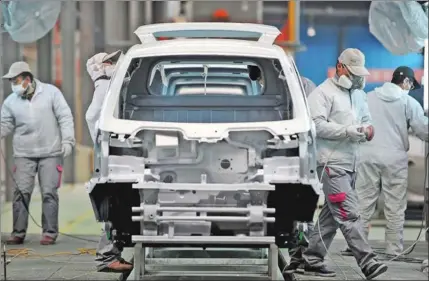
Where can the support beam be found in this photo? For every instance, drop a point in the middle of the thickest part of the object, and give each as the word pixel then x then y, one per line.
pixel 86 50
pixel 293 22
pixel 115 30
pixel 11 53
pixel 44 58
pixel 68 28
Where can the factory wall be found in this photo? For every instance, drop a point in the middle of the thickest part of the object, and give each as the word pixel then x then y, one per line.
pixel 322 52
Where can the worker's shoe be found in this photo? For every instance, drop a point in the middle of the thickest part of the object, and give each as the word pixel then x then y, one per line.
pixel 375 270
pixel 347 252
pixel 321 271
pixel 14 240
pixel 46 240
pixel 117 266
pixel 293 267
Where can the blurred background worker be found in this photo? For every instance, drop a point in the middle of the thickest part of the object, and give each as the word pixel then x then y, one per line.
pixel 401 26
pixel 384 160
pixel 308 85
pixel 339 111
pixel 100 68
pixel 43 133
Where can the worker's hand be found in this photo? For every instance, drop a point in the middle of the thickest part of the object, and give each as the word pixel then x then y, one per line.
pixel 67 149
pixel 355 133
pixel 369 132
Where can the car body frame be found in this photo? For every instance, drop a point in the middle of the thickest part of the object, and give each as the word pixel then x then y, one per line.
pixel 191 179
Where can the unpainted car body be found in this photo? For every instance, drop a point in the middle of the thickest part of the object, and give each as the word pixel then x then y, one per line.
pixel 197 148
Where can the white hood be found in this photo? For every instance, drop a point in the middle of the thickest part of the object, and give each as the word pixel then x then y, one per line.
pixel 389 92
pixel 95 67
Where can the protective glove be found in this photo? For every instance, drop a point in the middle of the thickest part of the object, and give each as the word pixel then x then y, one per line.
pixel 67 149
pixel 354 133
pixel 368 131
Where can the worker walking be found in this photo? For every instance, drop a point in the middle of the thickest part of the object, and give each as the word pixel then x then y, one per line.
pixel 43 134
pixel 384 160
pixel 100 68
pixel 340 113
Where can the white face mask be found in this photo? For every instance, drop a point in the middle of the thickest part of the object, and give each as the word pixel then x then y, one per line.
pixel 19 89
pixel 345 82
pixel 109 70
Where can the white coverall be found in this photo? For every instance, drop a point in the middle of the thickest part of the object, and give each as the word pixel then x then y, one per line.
pixel 41 127
pixel 333 110
pixel 401 26
pixel 107 252
pixel 384 160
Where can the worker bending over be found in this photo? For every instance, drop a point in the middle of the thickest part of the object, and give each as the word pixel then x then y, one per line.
pixel 100 68
pixel 340 113
pixel 43 134
pixel 384 160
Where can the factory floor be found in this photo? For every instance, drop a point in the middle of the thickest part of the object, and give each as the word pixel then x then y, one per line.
pixel 72 259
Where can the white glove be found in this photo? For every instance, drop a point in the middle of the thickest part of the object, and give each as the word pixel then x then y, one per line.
pixel 67 149
pixel 353 133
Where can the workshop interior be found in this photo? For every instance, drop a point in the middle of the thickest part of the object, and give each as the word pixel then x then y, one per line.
pixel 203 161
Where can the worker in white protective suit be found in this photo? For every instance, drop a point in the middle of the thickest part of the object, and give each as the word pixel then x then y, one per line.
pixel 340 112
pixel 101 67
pixel 41 122
pixel 401 26
pixel 384 160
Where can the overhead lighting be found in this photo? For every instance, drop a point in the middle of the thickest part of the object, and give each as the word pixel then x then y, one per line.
pixel 311 32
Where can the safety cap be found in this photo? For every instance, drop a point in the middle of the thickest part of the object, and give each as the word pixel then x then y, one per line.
pixel 405 72
pixel 16 69
pixel 354 59
pixel 112 56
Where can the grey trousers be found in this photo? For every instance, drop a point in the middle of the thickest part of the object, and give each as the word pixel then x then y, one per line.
pixel 340 210
pixel 107 252
pixel 374 179
pixel 49 171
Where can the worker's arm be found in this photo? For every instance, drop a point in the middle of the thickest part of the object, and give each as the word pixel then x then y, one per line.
pixel 64 117
pixel 320 106
pixel 415 17
pixel 7 121
pixel 94 110
pixel 416 119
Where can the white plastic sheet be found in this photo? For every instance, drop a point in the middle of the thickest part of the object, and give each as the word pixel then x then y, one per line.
pixel 28 21
pixel 401 26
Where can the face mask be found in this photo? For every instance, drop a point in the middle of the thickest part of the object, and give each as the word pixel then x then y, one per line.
pixel 109 70
pixel 19 89
pixel 345 82
pixel 358 83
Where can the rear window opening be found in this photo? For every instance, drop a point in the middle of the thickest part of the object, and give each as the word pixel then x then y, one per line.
pixel 205 89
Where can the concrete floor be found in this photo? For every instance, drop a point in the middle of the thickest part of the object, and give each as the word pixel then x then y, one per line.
pixel 72 259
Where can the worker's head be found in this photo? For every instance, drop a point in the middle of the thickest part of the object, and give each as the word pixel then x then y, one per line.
pixel 220 15
pixel 109 61
pixel 404 77
pixel 20 77
pixel 350 69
